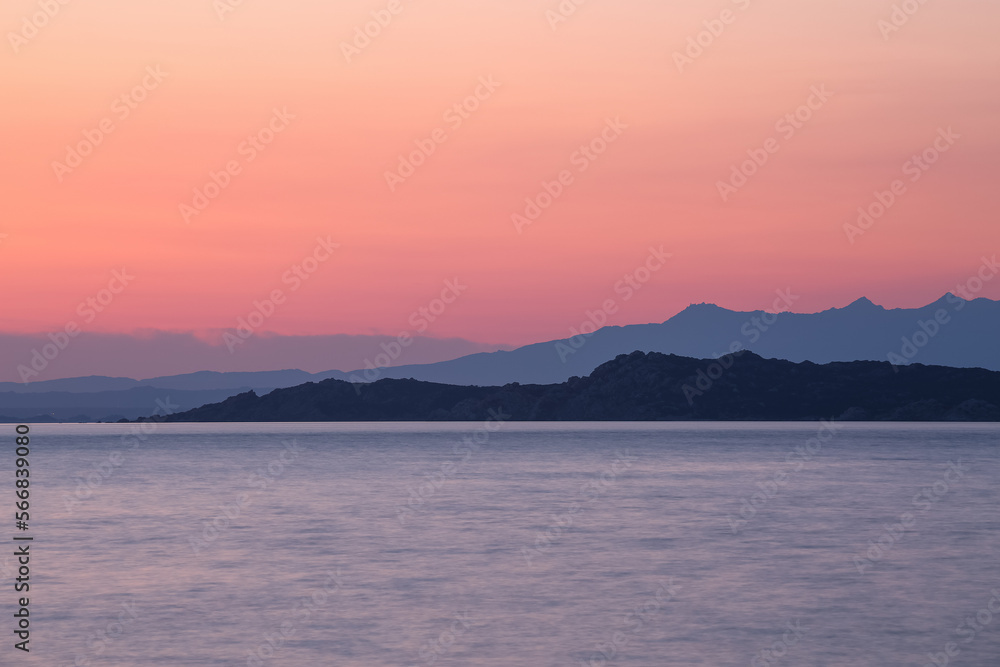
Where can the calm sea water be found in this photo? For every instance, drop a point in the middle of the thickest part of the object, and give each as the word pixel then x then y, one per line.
pixel 512 544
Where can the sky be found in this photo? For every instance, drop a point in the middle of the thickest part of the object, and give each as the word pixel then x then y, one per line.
pixel 183 165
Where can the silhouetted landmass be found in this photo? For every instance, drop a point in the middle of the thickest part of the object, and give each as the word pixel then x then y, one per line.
pixel 949 332
pixel 647 387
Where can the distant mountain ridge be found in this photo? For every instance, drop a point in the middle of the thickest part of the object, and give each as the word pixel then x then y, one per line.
pixel 33 358
pixel 646 387
pixel 110 399
pixel 964 335
pixel 61 406
pixel 948 332
pixel 200 381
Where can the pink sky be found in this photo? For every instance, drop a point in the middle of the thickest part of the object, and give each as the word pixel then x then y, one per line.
pixel 324 174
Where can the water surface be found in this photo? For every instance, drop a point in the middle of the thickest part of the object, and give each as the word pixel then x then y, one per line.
pixel 512 544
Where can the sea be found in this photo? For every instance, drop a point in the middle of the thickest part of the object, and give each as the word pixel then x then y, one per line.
pixel 508 544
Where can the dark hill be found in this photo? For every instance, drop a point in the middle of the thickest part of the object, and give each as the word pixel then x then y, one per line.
pixel 653 387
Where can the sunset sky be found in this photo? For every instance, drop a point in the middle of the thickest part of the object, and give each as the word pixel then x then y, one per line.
pixel 199 82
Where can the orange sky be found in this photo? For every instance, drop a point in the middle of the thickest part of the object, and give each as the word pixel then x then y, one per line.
pixel 324 175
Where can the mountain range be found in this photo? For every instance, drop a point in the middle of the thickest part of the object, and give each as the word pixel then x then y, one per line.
pixel 646 387
pixel 948 332
pixel 964 335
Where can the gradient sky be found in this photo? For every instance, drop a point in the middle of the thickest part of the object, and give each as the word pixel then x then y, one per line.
pixel 324 175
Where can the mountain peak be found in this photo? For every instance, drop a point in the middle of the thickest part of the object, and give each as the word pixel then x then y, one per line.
pixel 695 310
pixel 864 303
pixel 948 298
